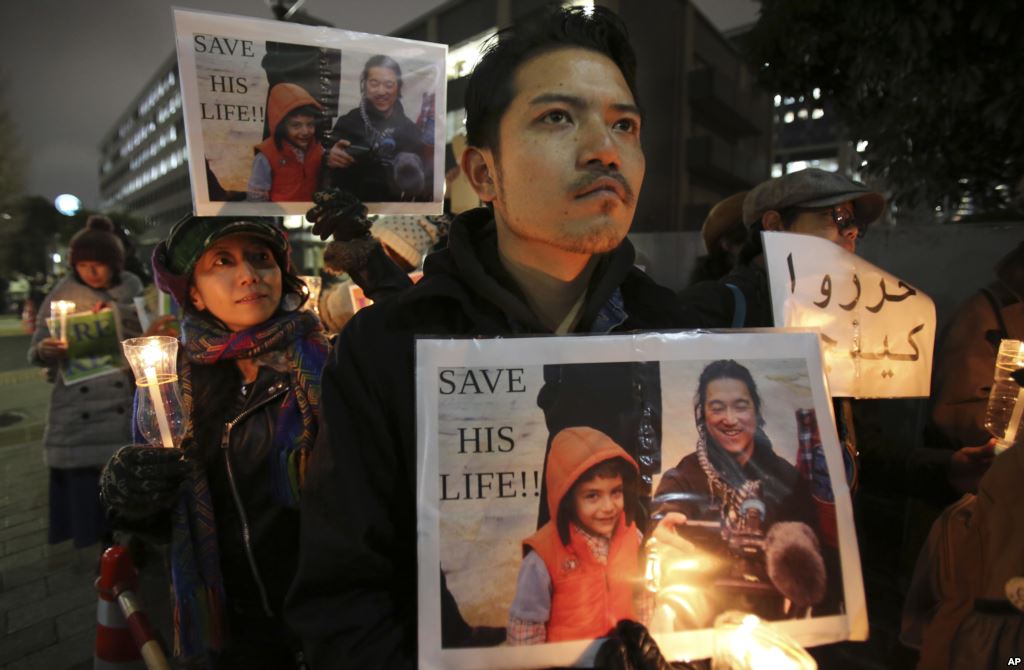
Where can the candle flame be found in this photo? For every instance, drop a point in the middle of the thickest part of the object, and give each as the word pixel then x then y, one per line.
pixel 151 354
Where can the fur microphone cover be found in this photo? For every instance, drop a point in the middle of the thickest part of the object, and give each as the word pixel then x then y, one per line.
pixel 794 562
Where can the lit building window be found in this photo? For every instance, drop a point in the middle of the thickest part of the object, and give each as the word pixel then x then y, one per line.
pixel 816 94
pixel 776 170
pixel 817 113
pixel 802 114
pixel 463 57
pixel 788 101
pixel 788 118
pixel 827 164
pixel 778 100
pixel 862 146
pixel 796 166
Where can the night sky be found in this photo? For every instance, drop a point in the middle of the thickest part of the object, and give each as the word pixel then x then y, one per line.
pixel 70 67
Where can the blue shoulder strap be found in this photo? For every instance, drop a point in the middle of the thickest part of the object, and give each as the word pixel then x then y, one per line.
pixel 739 311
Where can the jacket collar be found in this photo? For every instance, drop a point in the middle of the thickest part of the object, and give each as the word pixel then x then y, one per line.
pixel 472 261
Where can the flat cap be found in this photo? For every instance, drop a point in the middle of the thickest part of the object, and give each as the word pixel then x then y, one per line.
pixel 812 188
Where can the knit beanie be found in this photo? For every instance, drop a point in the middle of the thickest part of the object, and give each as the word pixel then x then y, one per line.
pixel 98 243
pixel 411 237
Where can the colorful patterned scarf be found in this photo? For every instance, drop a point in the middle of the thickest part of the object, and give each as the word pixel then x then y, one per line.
pixel 197 583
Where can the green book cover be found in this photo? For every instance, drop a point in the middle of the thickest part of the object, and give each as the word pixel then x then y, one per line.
pixel 94 346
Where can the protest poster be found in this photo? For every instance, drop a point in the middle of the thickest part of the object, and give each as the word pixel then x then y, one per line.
pixel 266 102
pixel 877 331
pixel 501 425
pixel 94 345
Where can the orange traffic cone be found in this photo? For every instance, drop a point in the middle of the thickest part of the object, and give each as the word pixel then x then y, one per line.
pixel 115 648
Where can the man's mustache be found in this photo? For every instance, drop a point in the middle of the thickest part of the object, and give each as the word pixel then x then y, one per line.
pixel 594 173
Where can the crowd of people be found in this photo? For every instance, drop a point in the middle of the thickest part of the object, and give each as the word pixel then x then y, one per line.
pixel 289 509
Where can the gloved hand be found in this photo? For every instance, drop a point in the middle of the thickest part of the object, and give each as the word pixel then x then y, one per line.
pixel 338 213
pixel 138 482
pixel 631 647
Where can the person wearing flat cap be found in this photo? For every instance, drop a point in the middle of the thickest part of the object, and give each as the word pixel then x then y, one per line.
pixel 814 202
pixel 810 202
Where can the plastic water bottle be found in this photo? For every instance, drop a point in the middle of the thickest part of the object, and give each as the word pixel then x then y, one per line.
pixel 1006 400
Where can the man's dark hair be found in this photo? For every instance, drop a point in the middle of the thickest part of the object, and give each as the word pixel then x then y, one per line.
pixel 607 469
pixel 380 60
pixel 491 86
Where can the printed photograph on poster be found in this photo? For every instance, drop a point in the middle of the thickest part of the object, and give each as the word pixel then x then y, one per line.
pixel 567 483
pixel 275 111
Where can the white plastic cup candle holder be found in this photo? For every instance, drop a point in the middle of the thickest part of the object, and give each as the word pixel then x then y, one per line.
pixel 159 412
pixel 1005 408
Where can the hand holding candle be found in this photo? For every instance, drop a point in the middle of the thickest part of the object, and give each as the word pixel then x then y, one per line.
pixel 159 413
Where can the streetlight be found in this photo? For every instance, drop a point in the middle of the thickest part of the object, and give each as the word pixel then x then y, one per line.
pixel 67 204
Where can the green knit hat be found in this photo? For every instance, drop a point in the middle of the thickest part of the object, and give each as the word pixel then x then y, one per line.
pixel 191 236
pixel 176 257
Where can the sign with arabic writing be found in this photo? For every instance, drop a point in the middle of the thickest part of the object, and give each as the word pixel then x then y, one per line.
pixel 877 330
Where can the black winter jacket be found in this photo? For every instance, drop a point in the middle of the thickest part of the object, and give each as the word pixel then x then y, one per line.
pixel 354 598
pixel 257 538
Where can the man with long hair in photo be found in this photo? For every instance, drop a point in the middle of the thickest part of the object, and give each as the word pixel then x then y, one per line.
pixel 737 502
pixel 376 151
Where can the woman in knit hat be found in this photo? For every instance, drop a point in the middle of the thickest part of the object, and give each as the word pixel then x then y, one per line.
pixel 250 378
pixel 88 421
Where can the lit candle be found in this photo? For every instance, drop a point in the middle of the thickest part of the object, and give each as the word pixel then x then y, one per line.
pixel 152 355
pixel 62 307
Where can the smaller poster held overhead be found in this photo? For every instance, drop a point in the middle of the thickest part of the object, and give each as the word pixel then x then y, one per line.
pixel 877 331
pixel 275 111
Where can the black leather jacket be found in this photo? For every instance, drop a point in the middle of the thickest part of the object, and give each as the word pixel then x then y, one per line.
pixel 257 537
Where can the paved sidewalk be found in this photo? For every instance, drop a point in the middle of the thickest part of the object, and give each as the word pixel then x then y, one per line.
pixel 47 599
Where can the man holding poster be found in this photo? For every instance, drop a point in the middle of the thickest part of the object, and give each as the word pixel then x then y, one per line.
pixel 554 150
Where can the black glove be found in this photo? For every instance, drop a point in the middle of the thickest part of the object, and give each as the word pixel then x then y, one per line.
pixel 631 647
pixel 138 482
pixel 338 213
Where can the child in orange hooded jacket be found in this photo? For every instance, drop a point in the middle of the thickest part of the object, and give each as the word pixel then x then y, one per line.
pixel 287 164
pixel 581 571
